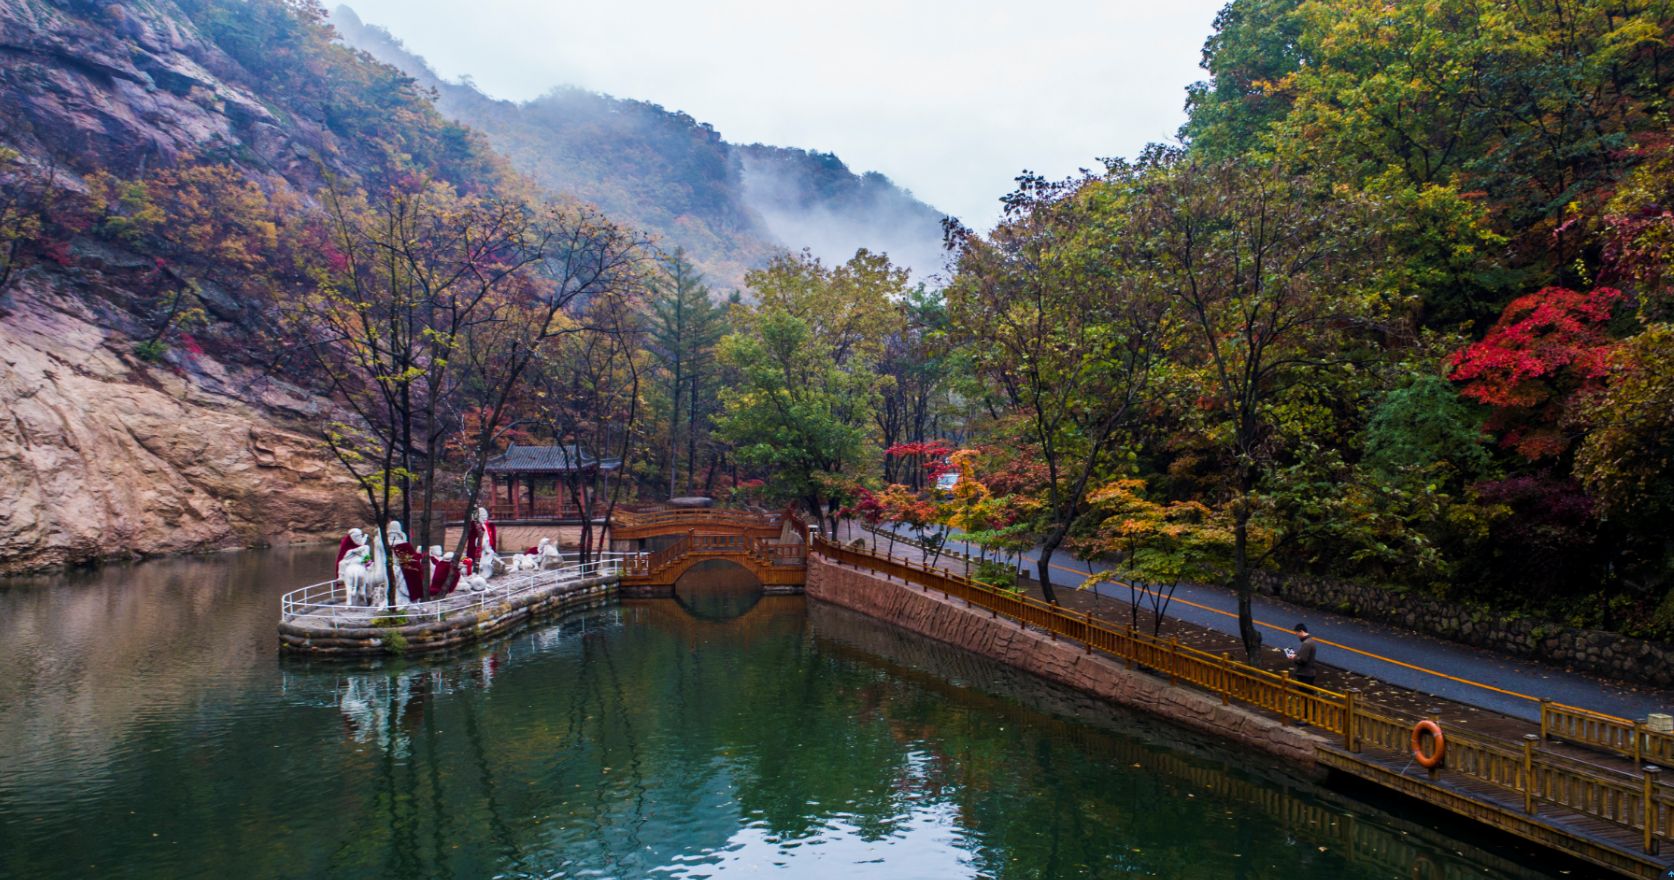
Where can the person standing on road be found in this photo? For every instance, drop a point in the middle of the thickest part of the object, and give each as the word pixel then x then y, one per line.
pixel 1302 656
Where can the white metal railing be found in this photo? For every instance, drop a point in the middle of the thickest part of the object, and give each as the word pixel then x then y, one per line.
pixel 325 602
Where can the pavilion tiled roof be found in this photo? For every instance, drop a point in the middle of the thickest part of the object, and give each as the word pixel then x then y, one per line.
pixel 547 460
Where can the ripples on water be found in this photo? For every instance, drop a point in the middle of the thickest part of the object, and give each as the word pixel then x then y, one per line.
pixel 148 729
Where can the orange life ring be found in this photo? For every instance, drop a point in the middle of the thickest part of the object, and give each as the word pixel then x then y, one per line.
pixel 1433 759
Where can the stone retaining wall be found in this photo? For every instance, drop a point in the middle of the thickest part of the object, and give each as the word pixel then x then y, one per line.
pixel 465 627
pixel 1601 653
pixel 951 621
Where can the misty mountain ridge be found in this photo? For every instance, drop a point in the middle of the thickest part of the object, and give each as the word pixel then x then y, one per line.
pixel 731 207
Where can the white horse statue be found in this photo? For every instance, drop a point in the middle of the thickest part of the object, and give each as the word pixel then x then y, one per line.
pixel 363 573
pixel 547 554
pixel 544 554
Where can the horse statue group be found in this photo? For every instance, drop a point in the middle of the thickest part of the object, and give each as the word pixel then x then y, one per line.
pixel 363 568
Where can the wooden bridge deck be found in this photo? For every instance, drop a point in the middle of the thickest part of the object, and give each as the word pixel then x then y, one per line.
pixel 1588 838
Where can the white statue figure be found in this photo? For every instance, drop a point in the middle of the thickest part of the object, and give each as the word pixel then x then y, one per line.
pixel 492 563
pixel 547 554
pixel 378 586
pixel 538 558
pixel 355 571
pixel 476 583
pixel 397 535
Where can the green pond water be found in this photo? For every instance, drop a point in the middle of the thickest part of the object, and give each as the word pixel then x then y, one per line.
pixel 148 728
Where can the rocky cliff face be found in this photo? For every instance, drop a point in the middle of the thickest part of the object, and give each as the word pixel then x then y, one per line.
pixel 103 456
pixel 126 86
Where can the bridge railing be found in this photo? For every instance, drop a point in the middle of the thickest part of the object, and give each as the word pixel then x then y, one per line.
pixel 767 552
pixel 1625 737
pixel 1639 802
pixel 693 519
pixel 1230 679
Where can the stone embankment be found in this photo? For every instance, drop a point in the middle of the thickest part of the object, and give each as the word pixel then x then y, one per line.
pixel 948 620
pixel 470 623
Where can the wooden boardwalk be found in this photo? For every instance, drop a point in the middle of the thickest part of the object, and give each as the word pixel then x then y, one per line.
pixel 1588 838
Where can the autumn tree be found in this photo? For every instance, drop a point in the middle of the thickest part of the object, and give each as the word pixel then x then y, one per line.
pixel 804 354
pixel 1626 461
pixel 590 396
pixel 1156 545
pixel 428 305
pixel 26 195
pixel 1051 323
pixel 1548 350
pixel 918 365
pixel 205 225
pixel 1271 282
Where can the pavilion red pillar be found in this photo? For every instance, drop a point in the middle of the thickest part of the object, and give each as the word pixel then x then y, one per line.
pixel 511 490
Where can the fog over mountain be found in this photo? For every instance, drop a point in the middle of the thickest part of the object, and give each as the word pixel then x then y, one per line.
pixel 731 207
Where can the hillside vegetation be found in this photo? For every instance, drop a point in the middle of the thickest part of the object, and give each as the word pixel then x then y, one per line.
pixel 729 207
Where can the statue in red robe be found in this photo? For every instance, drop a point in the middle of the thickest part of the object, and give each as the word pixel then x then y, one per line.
pixel 355 538
pixel 483 537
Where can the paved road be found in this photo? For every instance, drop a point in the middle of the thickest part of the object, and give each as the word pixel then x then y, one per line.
pixel 1377 650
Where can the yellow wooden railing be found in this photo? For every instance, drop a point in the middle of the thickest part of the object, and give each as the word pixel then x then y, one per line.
pixel 1639 801
pixel 1218 673
pixel 1631 739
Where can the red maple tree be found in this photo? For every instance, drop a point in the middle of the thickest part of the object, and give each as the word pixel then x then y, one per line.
pixel 1548 349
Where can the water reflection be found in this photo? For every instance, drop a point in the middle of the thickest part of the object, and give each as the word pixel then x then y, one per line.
pixel 717 590
pixel 153 732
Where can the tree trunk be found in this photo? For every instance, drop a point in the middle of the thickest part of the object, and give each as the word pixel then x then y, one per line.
pixel 1043 566
pixel 1241 578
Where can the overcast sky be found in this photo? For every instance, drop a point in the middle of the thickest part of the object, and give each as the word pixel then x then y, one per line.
pixel 950 100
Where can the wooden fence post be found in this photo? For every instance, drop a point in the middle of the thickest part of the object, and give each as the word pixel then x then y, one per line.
pixel 1351 703
pixel 1226 679
pixel 1651 773
pixel 1529 740
pixel 1545 729
pixel 1284 694
pixel 1434 714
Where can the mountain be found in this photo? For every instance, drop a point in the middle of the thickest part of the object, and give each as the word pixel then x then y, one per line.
pixel 144 147
pixel 731 207
pixel 149 151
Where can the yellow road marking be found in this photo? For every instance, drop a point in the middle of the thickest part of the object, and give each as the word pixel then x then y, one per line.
pixel 1350 649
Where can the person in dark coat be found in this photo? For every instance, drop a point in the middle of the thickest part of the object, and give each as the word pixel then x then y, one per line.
pixel 1302 656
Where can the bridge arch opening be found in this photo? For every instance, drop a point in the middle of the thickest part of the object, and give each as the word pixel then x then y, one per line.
pixel 718 589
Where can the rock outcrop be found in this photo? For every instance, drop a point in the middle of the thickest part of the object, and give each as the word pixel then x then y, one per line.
pixel 102 455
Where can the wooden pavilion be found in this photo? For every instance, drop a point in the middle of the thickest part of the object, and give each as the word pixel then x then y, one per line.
pixel 518 473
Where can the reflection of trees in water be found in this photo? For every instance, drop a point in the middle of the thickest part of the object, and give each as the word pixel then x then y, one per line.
pixel 1178 766
pixel 622 741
